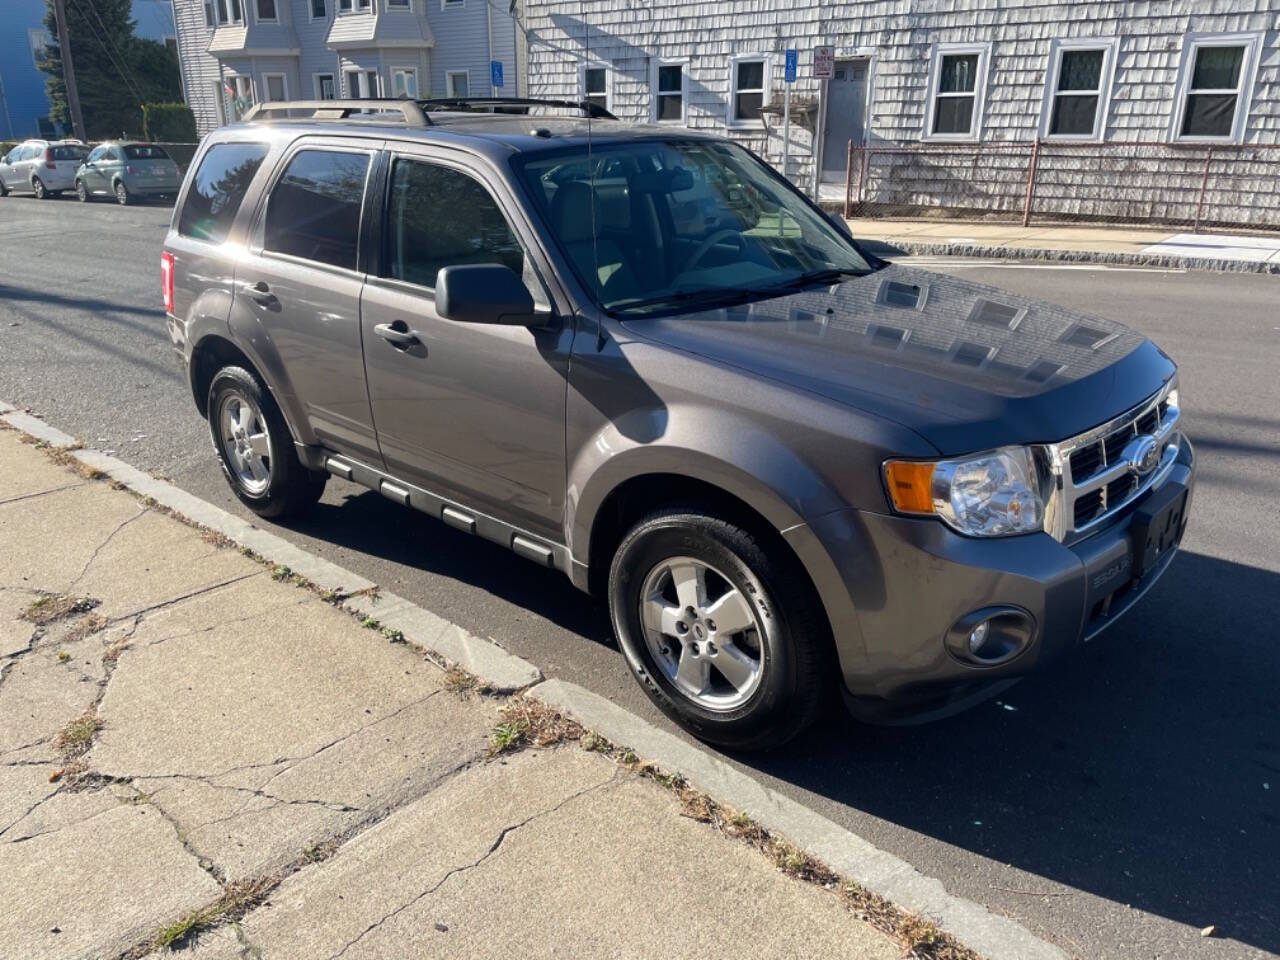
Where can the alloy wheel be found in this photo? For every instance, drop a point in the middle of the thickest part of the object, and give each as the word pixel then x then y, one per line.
pixel 703 633
pixel 246 443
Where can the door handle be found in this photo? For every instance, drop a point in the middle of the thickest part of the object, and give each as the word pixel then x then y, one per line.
pixel 397 334
pixel 259 292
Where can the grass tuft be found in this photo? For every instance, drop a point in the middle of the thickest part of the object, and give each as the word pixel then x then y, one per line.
pixel 524 721
pixel 51 607
pixel 237 899
pixel 459 682
pixel 77 736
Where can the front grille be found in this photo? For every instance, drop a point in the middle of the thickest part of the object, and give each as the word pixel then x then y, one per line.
pixel 1096 480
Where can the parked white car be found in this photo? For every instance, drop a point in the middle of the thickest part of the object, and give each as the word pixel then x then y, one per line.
pixel 43 167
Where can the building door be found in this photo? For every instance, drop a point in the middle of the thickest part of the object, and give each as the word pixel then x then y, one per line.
pixel 846 116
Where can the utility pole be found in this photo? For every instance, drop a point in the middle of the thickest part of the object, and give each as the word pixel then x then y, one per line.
pixel 68 68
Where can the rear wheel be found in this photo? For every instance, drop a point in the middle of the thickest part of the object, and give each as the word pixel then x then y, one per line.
pixel 255 447
pixel 721 628
pixel 37 187
pixel 4 191
pixel 82 192
pixel 123 196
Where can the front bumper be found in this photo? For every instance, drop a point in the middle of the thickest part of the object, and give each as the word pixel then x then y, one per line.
pixel 910 580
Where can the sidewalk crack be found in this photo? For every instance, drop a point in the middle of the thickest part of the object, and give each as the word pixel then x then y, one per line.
pixel 493 849
pixel 43 493
pixel 103 545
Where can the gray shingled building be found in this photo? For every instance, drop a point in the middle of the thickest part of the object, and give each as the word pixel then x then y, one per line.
pixel 1143 109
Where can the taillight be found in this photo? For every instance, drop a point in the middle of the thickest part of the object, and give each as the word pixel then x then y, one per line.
pixel 166 280
pixel 129 170
pixel 48 158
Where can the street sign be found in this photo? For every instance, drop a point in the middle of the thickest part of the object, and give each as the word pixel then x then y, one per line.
pixel 495 73
pixel 824 62
pixel 793 58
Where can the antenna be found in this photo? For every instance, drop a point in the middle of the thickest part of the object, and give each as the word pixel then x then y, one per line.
pixel 591 179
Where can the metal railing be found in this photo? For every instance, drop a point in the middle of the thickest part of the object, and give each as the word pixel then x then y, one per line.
pixel 1219 185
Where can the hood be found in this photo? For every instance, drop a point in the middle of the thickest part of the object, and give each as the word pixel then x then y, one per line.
pixel 967 366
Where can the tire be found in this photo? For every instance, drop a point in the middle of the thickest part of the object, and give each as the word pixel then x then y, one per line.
pixel 82 192
pixel 246 425
pixel 788 642
pixel 37 187
pixel 4 191
pixel 123 196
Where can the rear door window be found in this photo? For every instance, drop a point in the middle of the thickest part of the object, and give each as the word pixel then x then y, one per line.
pixel 218 189
pixel 314 208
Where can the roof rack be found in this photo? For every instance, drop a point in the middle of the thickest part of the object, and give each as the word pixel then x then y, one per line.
pixel 410 112
pixel 593 110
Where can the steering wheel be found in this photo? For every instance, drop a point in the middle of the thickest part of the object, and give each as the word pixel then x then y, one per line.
pixel 705 246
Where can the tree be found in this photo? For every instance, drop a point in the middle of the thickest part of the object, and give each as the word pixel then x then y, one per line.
pixel 116 72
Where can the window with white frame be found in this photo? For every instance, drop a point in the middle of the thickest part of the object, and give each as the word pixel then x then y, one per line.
pixel 319 9
pixel 1078 89
pixel 266 11
pixel 596 86
pixel 957 87
pixel 748 89
pixel 230 11
pixel 344 6
pixel 239 91
pixel 404 82
pixel 362 84
pixel 325 89
pixel 446 4
pixel 210 18
pixel 668 91
pixel 399 5
pixel 274 87
pixel 457 83
pixel 1214 86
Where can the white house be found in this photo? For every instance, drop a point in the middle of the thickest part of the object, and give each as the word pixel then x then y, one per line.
pixel 235 53
pixel 948 97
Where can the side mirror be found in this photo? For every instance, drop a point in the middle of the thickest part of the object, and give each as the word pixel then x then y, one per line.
pixel 483 293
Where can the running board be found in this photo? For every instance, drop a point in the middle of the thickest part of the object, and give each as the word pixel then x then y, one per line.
pixel 521 542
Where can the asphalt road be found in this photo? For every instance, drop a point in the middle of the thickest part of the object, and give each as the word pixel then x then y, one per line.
pixel 1115 807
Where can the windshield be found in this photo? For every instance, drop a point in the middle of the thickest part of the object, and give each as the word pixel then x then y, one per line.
pixel 682 221
pixel 145 153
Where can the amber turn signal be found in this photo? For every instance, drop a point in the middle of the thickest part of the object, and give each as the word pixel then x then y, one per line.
pixel 910 485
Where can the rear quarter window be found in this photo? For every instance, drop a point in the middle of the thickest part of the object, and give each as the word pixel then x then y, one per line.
pixel 218 189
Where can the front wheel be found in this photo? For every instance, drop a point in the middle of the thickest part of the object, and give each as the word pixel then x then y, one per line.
pixel 82 192
pixel 255 447
pixel 721 628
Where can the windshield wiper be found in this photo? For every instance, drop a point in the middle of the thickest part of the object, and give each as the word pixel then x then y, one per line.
pixel 725 295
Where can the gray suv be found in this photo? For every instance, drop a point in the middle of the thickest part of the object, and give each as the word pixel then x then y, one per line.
pixel 639 356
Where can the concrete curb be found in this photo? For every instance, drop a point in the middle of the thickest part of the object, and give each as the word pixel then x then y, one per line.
pixel 496 669
pixel 1117 258
pixel 994 936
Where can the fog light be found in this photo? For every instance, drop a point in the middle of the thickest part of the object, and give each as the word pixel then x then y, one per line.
pixel 978 637
pixel 991 636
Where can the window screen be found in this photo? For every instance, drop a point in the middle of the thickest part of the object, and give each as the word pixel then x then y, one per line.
pixel 218 188
pixel 314 209
pixel 440 217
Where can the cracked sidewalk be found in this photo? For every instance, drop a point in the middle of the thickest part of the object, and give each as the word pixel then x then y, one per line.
pixel 232 732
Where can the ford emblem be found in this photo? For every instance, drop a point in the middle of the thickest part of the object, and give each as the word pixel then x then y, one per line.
pixel 1142 454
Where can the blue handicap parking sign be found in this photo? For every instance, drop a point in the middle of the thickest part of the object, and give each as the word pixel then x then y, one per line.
pixel 792 59
pixel 495 72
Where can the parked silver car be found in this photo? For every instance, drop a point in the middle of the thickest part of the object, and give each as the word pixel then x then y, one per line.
pixel 129 172
pixel 640 356
pixel 42 167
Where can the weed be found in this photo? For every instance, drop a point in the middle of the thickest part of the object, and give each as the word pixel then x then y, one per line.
pixel 63 656
pixel 77 736
pixel 393 635
pixel 237 899
pixel 281 573
pixel 89 625
pixel 371 623
pixel 51 607
pixel 458 681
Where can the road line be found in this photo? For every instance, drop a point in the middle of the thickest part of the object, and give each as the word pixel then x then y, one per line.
pixel 857 859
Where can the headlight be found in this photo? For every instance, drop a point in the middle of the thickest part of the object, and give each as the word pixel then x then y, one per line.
pixel 989 495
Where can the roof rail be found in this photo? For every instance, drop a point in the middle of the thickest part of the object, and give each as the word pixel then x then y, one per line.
pixel 593 110
pixel 410 112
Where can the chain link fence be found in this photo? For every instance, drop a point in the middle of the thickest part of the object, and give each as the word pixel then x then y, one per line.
pixel 1215 187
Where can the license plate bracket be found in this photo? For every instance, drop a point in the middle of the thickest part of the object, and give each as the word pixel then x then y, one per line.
pixel 1157 526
